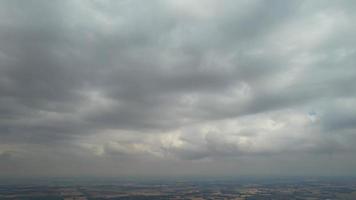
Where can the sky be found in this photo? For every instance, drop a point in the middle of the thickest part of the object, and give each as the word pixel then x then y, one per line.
pixel 177 88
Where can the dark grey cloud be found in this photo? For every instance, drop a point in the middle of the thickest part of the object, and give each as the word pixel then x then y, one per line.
pixel 175 82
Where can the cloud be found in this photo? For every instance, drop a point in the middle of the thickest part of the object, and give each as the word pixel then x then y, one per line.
pixel 180 82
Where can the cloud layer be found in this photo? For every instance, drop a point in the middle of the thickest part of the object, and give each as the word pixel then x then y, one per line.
pixel 177 87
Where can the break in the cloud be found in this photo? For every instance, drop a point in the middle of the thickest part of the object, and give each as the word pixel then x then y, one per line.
pixel 177 87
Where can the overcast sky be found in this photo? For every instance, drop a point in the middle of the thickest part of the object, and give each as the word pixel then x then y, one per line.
pixel 177 87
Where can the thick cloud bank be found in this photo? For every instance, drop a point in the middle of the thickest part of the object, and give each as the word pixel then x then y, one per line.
pixel 177 87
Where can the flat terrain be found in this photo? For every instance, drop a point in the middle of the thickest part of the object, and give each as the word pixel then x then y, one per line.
pixel 297 189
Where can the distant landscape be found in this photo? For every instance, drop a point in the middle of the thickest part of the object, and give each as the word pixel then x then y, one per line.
pixel 233 188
